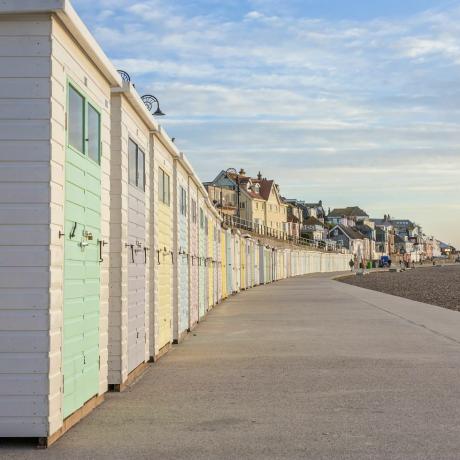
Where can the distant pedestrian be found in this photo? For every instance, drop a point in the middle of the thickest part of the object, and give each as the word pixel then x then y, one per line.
pixel 351 264
pixel 389 263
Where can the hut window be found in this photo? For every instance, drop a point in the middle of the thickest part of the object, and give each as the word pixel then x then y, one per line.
pixel 83 125
pixel 94 133
pixel 194 211
pixel 140 169
pixel 163 187
pixel 206 224
pixel 183 201
pixel 76 120
pixel 201 218
pixel 136 165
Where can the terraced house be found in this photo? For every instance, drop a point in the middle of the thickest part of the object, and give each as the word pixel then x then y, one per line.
pixel 257 200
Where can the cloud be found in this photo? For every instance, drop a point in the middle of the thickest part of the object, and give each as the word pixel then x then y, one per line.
pixel 345 110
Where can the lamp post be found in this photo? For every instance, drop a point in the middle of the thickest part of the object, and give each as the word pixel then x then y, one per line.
pixel 234 171
pixel 149 100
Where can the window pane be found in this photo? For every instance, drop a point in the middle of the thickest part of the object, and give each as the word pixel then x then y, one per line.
pixel 132 162
pixel 166 189
pixel 183 201
pixel 94 133
pixel 161 185
pixel 141 169
pixel 76 118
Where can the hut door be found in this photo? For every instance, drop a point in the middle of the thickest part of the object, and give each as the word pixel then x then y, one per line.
pixel 82 225
pixel 137 257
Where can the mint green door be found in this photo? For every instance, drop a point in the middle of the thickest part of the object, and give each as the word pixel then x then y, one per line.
pixel 82 216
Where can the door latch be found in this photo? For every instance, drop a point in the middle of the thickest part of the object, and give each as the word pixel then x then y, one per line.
pixel 132 250
pixel 101 243
pixel 74 229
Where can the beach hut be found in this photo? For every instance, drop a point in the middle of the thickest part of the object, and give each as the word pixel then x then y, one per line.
pixel 181 249
pixel 223 263
pixel 229 260
pixel 165 154
pixel 54 220
pixel 210 258
pixel 202 257
pixel 194 243
pixel 236 260
pixel 216 260
pixel 129 293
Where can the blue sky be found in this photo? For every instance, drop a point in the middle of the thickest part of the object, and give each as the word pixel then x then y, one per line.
pixel 351 102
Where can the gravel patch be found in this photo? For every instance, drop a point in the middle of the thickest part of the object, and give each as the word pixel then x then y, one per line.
pixel 435 285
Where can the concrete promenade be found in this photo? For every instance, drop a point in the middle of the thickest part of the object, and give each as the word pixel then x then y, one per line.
pixel 303 368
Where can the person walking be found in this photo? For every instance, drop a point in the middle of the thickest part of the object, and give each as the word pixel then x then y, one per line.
pixel 351 264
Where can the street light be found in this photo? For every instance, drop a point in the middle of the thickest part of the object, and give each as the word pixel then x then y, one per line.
pixel 149 100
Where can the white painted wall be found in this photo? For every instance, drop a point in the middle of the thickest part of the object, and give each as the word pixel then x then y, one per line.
pixel 25 217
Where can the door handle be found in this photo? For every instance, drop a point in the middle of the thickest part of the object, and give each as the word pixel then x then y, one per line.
pixel 101 243
pixel 145 254
pixel 72 232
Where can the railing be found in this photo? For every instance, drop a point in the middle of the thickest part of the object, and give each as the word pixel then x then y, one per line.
pixel 263 230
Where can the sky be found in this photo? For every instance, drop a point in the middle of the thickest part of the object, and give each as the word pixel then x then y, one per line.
pixel 353 102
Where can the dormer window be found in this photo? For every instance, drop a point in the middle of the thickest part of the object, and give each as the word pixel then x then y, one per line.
pixel 257 188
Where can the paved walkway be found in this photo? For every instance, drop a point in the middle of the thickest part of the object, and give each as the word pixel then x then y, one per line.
pixel 304 368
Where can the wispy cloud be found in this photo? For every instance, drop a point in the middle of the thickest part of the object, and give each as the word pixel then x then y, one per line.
pixel 341 109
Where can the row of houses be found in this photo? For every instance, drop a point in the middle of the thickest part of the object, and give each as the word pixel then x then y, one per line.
pixel 258 200
pixel 111 249
pixel 376 239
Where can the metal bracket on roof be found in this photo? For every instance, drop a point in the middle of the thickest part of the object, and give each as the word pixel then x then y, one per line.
pixel 124 75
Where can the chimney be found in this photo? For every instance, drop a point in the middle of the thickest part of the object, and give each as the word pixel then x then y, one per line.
pixel 320 202
pixel 242 172
pixel 259 176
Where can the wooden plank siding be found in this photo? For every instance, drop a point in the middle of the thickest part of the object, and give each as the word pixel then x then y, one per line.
pixel 25 214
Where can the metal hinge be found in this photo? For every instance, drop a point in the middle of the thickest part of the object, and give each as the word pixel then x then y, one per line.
pixel 99 361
